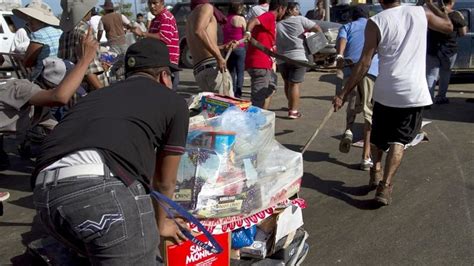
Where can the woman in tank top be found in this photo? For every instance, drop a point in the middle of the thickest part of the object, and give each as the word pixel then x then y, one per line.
pixel 234 30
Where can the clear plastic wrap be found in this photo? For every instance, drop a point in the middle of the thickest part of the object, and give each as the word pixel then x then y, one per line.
pixel 233 165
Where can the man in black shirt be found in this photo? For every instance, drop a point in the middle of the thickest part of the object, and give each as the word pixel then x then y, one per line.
pixel 442 50
pixel 94 169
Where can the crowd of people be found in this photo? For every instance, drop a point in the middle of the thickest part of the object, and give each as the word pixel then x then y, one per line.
pixel 108 177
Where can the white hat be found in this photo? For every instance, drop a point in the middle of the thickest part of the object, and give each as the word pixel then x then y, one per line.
pixel 39 11
pixel 55 69
pixel 74 11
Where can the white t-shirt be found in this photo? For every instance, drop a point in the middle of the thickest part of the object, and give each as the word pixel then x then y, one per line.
pixel 401 81
pixel 21 41
pixel 257 10
pixel 149 16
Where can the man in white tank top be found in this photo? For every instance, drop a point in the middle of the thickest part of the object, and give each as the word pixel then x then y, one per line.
pixel 398 36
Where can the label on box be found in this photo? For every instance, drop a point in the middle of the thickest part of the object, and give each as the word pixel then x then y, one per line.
pixel 188 253
pixel 217 104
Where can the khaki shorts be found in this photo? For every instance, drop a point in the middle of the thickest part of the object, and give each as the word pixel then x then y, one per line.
pixel 360 100
pixel 211 79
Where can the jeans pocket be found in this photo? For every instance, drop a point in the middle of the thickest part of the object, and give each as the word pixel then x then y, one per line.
pixel 149 229
pixel 96 218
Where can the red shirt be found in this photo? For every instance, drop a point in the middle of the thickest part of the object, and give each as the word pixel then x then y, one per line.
pixel 264 33
pixel 164 24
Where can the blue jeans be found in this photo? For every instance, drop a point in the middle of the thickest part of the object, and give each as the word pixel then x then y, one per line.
pixel 236 66
pixel 439 66
pixel 100 218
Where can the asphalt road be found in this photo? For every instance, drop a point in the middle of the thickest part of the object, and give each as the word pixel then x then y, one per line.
pixel 430 221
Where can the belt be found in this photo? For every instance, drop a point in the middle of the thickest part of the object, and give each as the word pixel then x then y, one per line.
pixel 49 176
pixel 203 67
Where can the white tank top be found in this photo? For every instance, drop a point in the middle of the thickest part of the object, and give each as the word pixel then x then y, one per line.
pixel 402 58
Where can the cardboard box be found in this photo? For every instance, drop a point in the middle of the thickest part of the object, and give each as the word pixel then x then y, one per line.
pixel 217 104
pixel 188 253
pixel 275 233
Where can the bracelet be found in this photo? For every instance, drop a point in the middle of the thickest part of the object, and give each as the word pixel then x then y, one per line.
pixel 248 33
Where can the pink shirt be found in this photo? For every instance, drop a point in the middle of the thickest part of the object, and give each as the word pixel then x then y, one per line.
pixel 232 33
pixel 164 24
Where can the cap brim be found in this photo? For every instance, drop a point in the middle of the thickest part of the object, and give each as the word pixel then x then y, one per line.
pixel 174 68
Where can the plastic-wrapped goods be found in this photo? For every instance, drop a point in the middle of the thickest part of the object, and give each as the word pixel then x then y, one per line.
pixel 243 237
pixel 233 165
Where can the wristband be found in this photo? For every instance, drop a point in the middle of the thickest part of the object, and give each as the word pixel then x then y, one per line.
pixel 248 33
pixel 339 56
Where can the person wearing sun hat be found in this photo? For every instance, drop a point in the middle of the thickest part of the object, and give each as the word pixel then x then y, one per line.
pixel 132 135
pixel 55 86
pixel 76 14
pixel 44 34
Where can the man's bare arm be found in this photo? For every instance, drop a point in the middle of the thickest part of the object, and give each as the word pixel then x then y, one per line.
pixel 94 81
pixel 31 54
pixel 316 28
pixel 340 49
pixel 437 19
pixel 251 24
pixel 462 31
pixel 372 38
pixel 164 181
pixel 66 89
pixel 204 16
pixel 99 34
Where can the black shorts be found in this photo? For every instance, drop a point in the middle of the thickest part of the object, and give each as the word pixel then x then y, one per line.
pixel 392 125
pixel 292 73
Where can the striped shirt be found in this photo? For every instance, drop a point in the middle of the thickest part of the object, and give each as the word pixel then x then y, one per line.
pixel 70 48
pixel 164 24
pixel 48 37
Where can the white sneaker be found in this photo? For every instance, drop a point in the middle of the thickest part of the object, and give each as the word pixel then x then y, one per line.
pixel 346 142
pixel 366 164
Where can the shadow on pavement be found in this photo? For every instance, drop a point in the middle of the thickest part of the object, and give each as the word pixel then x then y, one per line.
pixel 316 156
pixel 35 233
pixel 330 78
pixel 15 182
pixel 284 132
pixel 337 190
pixel 322 98
pixel 458 110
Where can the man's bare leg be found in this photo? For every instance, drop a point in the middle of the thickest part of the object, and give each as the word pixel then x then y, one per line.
pixel 383 194
pixel 376 170
pixel 294 96
pixel 267 102
pixel 366 151
pixel 394 158
pixel 287 89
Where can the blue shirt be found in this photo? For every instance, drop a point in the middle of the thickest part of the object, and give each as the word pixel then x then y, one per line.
pixel 49 38
pixel 354 32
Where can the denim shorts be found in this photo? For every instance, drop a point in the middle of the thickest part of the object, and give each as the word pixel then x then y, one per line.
pixel 292 73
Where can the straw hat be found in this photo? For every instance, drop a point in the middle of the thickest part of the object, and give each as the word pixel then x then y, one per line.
pixel 39 11
pixel 73 12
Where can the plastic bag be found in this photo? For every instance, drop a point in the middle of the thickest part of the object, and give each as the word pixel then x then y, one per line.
pixel 234 166
pixel 243 237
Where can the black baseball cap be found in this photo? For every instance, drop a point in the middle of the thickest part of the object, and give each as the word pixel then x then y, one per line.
pixel 146 53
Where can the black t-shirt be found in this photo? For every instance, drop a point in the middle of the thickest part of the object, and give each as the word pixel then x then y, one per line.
pixel 128 122
pixel 446 43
